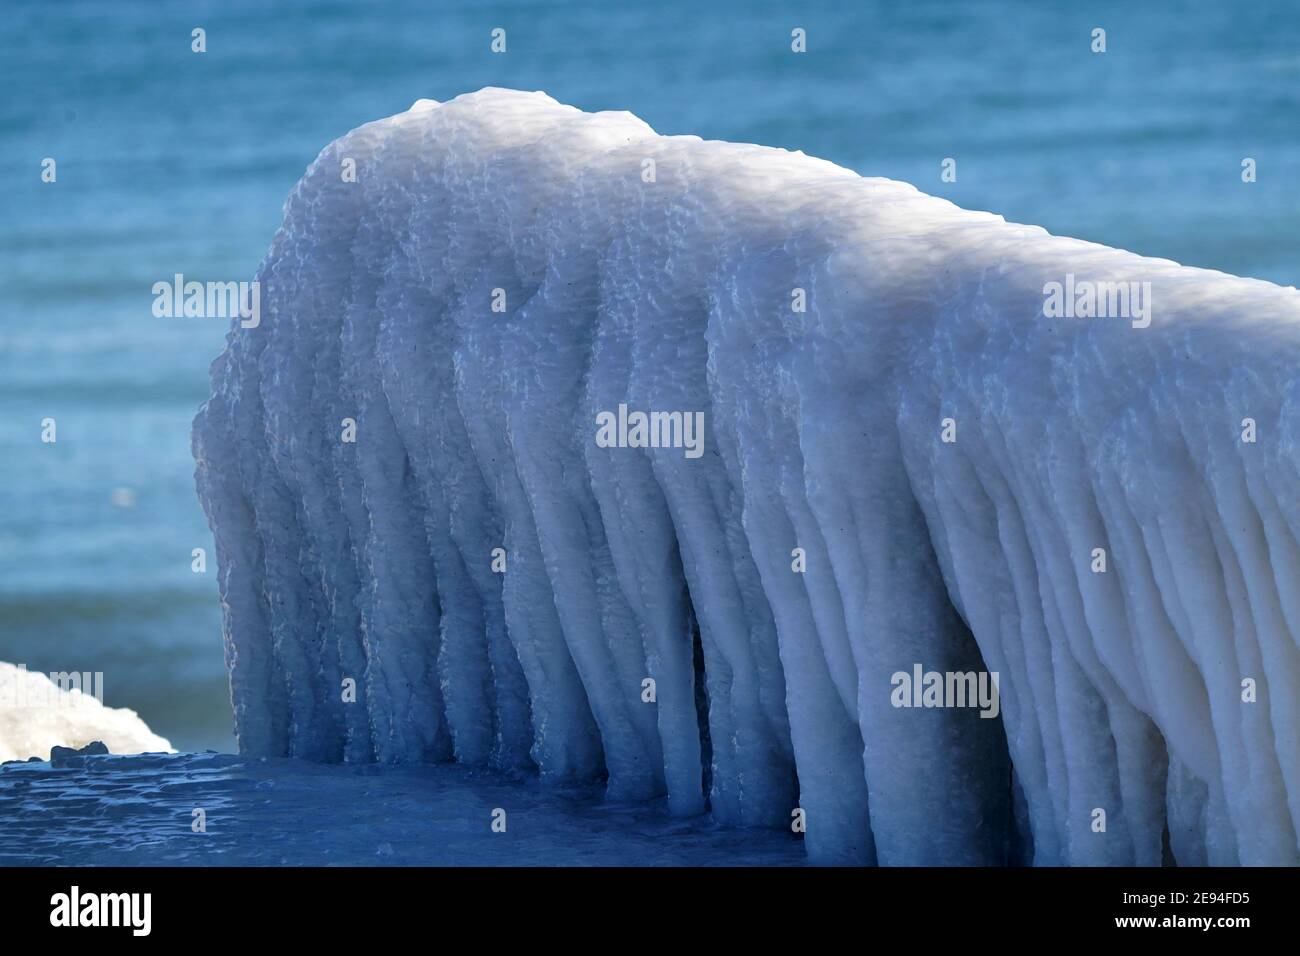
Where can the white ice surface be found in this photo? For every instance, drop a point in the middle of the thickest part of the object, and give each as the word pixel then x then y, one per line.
pixel 37 715
pixel 1121 691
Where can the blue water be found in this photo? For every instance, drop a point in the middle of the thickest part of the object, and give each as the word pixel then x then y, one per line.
pixel 170 161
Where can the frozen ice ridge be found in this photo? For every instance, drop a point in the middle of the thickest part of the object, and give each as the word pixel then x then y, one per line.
pixel 459 511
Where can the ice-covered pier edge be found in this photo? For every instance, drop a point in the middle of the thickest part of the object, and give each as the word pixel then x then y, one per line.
pixel 464 289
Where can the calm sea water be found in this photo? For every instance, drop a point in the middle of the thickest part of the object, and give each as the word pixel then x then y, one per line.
pixel 169 161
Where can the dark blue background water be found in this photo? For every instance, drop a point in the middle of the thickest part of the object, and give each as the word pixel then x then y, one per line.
pixel 170 161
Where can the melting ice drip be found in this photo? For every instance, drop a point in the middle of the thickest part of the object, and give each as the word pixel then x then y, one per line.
pixel 882 387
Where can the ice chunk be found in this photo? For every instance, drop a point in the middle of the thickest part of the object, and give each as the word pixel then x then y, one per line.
pixel 39 716
pixel 620 455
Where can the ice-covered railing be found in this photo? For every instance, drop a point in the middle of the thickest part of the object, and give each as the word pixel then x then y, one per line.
pixel 932 441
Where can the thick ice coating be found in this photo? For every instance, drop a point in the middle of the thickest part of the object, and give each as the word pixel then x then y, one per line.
pixel 932 441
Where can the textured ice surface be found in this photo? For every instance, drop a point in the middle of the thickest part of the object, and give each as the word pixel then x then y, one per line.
pixel 139 811
pixel 37 715
pixel 674 285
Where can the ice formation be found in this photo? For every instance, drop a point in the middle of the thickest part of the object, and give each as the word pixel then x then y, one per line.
pixel 912 457
pixel 37 715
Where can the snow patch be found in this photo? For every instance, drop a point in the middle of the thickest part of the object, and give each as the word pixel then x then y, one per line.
pixel 38 716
